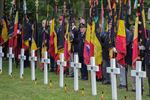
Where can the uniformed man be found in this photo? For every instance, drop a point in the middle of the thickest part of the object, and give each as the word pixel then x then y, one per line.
pixel 147 60
pixel 81 38
pixel 44 38
pixel 105 42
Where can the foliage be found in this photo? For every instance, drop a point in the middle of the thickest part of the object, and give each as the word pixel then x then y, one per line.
pixel 80 7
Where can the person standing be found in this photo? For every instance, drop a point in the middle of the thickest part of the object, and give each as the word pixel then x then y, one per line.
pixel 147 60
pixel 81 38
pixel 104 38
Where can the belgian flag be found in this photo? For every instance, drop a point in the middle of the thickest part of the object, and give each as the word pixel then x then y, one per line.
pixel 121 40
pixel 53 40
pixel 4 34
pixel 15 31
pixel 135 49
pixel 67 45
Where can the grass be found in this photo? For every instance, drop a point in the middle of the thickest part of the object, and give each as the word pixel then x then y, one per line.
pixel 24 89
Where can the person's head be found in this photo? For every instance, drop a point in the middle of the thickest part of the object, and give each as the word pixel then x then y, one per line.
pixel 44 23
pixel 50 22
pixel 60 20
pixel 82 28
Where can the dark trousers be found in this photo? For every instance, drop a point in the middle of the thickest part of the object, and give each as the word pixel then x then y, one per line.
pixel 84 72
pixel 106 76
pixel 148 75
pixel 52 62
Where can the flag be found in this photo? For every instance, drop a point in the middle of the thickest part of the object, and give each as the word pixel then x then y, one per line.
pixel 15 31
pixel 44 47
pixel 142 36
pixel 135 43
pixel 87 45
pixel 102 17
pixel 26 31
pixel 97 47
pixel 53 40
pixel 143 18
pixel 11 30
pixel 67 45
pixel 121 42
pixel 25 42
pixel 33 43
pixel 4 34
pixel 92 46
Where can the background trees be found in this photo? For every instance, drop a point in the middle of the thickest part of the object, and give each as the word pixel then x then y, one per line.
pixel 80 7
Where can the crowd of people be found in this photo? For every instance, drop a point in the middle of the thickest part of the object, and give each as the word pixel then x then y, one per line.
pixel 28 30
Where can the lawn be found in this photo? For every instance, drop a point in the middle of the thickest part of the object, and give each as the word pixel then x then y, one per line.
pixel 14 88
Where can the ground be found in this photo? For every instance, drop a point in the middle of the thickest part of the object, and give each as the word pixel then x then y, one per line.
pixel 24 89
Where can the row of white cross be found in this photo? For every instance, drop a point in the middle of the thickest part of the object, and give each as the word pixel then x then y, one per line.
pixel 76 65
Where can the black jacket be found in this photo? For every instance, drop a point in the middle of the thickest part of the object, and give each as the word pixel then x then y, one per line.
pixel 106 45
pixel 75 40
pixel 147 52
pixel 81 40
pixel 60 36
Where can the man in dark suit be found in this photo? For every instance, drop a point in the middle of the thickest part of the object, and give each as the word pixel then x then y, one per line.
pixel 105 42
pixel 81 38
pixel 147 59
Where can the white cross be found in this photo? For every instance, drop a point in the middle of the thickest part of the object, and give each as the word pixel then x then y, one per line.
pixel 46 61
pixel 76 65
pixel 93 68
pixel 138 74
pixel 1 60
pixel 113 71
pixel 62 63
pixel 22 57
pixel 10 55
pixel 32 59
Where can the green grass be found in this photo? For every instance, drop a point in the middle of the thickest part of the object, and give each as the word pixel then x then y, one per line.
pixel 25 89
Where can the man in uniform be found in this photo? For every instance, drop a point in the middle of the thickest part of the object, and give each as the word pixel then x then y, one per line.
pixel 147 60
pixel 81 38
pixel 105 42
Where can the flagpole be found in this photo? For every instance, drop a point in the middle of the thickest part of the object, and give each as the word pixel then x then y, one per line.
pixel 36 15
